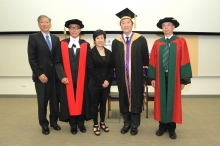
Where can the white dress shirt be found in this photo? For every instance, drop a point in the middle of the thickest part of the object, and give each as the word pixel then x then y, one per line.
pixel 74 41
pixel 124 36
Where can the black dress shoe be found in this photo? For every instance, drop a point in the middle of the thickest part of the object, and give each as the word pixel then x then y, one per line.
pixel 82 129
pixel 45 130
pixel 55 126
pixel 172 135
pixel 73 130
pixel 125 129
pixel 134 131
pixel 160 132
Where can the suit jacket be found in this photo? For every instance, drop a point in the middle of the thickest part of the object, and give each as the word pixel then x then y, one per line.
pixel 99 70
pixel 40 58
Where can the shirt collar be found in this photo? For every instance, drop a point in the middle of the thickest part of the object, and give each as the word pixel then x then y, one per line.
pixel 169 36
pixel 124 36
pixel 74 39
pixel 44 34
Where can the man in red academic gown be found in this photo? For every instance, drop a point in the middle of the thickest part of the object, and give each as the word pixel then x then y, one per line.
pixel 71 70
pixel 169 71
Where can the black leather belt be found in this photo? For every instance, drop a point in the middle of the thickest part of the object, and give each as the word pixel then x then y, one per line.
pixel 166 73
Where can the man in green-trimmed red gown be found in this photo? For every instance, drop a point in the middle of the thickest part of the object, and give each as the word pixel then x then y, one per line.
pixel 71 69
pixel 169 71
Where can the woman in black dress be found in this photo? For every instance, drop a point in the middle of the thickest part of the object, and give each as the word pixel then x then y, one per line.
pixel 100 71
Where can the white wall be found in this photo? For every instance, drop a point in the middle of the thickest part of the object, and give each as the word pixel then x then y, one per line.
pixel 15 73
pixel 193 15
pixel 25 86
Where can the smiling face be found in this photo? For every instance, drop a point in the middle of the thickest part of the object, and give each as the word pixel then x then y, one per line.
pixel 44 24
pixel 126 26
pixel 74 30
pixel 100 41
pixel 168 28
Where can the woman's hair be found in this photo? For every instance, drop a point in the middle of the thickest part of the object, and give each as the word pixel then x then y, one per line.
pixel 98 33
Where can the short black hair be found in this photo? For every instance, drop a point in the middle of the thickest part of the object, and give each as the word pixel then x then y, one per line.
pixel 98 33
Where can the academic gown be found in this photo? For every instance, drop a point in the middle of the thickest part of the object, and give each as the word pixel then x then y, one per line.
pixel 74 66
pixel 138 59
pixel 169 109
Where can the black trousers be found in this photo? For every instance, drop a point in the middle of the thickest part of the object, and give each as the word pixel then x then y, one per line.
pixel 46 92
pixel 77 120
pixel 171 127
pixel 131 119
pixel 99 98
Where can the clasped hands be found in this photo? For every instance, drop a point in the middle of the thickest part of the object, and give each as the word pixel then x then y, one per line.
pixel 153 84
pixel 64 80
pixel 105 84
pixel 43 78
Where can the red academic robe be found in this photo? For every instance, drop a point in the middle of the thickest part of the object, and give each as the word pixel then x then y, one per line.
pixel 74 96
pixel 169 109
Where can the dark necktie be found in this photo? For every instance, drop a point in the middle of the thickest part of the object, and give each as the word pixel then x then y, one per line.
pixel 127 40
pixel 166 55
pixel 48 43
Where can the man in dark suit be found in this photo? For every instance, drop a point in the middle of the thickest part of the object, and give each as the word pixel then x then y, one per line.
pixel 71 70
pixel 41 53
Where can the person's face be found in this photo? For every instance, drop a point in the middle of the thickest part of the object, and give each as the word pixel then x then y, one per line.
pixel 100 41
pixel 74 30
pixel 126 25
pixel 44 24
pixel 168 28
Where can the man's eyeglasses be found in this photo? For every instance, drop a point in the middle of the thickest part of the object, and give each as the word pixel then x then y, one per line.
pixel 74 27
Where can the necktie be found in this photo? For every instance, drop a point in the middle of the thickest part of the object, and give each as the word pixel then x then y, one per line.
pixel 74 48
pixel 48 43
pixel 127 40
pixel 166 55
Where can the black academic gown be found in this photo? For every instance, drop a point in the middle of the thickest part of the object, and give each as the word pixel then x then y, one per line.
pixel 74 60
pixel 139 59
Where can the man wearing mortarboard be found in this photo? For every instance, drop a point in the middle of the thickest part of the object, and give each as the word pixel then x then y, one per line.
pixel 130 56
pixel 71 70
pixel 169 71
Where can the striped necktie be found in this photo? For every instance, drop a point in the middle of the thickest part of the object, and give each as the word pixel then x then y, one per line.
pixel 166 55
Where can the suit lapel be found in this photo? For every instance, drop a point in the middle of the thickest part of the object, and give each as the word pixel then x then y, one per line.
pixel 41 38
pixel 96 52
pixel 107 54
pixel 53 41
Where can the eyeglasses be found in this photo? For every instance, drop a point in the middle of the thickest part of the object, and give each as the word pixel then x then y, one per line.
pixel 74 27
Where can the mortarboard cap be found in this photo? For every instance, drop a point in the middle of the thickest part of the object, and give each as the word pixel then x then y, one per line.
pixel 127 14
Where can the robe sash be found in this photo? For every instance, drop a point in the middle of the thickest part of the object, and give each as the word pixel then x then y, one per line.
pixel 75 102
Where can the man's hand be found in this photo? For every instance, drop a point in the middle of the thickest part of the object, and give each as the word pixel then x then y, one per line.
pixel 182 86
pixel 64 80
pixel 105 84
pixel 153 83
pixel 43 78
